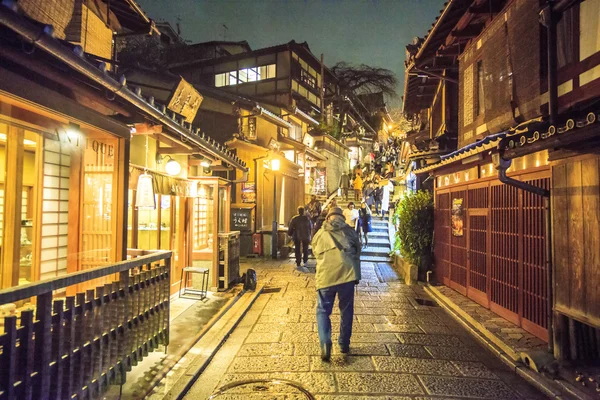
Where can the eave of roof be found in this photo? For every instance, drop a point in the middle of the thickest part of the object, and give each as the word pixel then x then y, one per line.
pixel 75 59
pixel 469 150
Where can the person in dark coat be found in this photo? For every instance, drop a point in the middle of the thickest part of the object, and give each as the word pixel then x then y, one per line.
pixel 299 229
pixel 364 223
pixel 377 199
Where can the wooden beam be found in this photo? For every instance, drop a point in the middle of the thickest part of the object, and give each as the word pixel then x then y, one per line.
pixel 147 129
pixel 469 31
pixel 13 186
pixel 175 150
pixel 162 138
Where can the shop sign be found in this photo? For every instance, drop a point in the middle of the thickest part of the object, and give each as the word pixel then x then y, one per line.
pixel 185 101
pixel 457 217
pixel 248 192
pixel 274 145
pixel 252 128
pixel 241 219
pixel 74 138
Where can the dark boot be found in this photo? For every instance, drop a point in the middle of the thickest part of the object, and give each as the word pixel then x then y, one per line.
pixel 344 348
pixel 325 351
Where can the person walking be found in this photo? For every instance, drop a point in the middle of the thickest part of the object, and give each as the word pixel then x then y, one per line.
pixel 388 191
pixel 377 198
pixel 337 250
pixel 344 184
pixel 299 229
pixel 358 184
pixel 364 224
pixel 351 215
pixel 313 210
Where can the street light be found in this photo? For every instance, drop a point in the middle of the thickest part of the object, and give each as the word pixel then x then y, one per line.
pixel 275 165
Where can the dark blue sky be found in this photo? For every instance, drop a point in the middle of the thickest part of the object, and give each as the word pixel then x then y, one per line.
pixel 372 32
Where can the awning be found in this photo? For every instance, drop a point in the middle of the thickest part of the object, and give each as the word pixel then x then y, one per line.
pixel 315 154
pixel 272 117
pixel 305 117
pixel 162 183
pixel 292 143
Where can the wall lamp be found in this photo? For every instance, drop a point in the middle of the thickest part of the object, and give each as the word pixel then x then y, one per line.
pixel 172 167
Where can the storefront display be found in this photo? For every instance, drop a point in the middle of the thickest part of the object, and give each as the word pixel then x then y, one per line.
pixel 67 203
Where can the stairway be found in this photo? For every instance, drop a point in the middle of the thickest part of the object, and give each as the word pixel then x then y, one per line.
pixel 379 247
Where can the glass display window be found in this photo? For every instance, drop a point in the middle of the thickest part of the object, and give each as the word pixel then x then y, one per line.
pixel 203 211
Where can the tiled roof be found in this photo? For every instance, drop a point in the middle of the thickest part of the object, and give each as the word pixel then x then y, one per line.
pixel 76 59
pixel 486 143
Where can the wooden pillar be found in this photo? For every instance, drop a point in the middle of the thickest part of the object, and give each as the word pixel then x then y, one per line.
pixel 121 186
pixel 215 233
pixel 13 187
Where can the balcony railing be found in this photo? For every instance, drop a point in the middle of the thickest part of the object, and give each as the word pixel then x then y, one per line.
pixel 75 347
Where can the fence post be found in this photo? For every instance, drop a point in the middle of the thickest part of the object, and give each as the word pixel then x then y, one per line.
pixel 28 348
pixel 43 344
pixel 9 355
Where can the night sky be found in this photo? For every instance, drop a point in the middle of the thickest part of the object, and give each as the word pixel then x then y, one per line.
pixel 371 32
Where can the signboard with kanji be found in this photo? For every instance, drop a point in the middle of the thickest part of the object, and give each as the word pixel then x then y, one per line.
pixel 185 100
pixel 241 219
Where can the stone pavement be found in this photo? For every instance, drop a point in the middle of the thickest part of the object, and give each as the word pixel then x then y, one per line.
pixel 516 338
pixel 402 347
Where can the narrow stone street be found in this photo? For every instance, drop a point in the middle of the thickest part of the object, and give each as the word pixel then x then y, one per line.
pixel 403 347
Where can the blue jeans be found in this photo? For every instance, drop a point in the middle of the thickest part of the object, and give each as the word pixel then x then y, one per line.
pixel 325 299
pixel 377 206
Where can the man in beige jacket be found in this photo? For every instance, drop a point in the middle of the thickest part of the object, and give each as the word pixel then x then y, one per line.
pixel 336 247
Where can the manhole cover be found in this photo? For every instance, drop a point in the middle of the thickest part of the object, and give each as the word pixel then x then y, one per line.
pixel 272 386
pixel 427 303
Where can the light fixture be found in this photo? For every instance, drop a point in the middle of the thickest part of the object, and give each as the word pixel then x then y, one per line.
pixel 275 164
pixel 205 162
pixel 390 126
pixel 145 188
pixel 26 142
pixel 172 167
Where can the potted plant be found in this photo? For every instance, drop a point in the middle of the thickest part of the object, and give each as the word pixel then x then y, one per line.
pixel 414 231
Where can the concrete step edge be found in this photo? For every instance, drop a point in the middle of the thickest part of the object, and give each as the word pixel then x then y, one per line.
pixel 210 342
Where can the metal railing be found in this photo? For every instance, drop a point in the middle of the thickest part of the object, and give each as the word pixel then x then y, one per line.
pixel 77 346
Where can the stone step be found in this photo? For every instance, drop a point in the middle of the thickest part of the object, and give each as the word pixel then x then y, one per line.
pixel 377 241
pixel 378 245
pixel 368 258
pixel 376 251
pixel 380 234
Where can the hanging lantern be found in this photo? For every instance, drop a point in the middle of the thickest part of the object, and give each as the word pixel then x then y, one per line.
pixel 145 192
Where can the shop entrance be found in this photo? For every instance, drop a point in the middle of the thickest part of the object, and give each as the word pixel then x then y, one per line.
pixel 490 246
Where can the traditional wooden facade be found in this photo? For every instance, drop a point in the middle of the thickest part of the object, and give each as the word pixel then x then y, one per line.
pixel 538 128
pixel 67 151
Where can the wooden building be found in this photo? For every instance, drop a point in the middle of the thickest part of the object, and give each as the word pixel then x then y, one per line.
pixel 526 164
pixel 67 127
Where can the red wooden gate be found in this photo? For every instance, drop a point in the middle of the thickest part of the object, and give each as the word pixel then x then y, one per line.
pixel 499 261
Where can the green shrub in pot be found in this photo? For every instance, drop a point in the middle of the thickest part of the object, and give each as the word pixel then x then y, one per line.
pixel 414 229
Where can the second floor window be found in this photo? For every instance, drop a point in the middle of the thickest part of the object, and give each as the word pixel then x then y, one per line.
pixel 480 100
pixel 244 75
pixel 307 78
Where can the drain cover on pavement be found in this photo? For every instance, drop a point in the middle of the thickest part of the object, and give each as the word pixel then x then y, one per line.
pixel 271 386
pixel 272 290
pixel 427 303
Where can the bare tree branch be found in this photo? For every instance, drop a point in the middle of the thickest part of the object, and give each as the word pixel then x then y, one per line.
pixel 363 79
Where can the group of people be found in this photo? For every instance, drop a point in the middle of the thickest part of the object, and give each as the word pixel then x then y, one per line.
pixel 370 187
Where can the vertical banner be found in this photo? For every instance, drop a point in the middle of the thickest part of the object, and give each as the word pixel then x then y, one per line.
pixel 320 180
pixel 457 217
